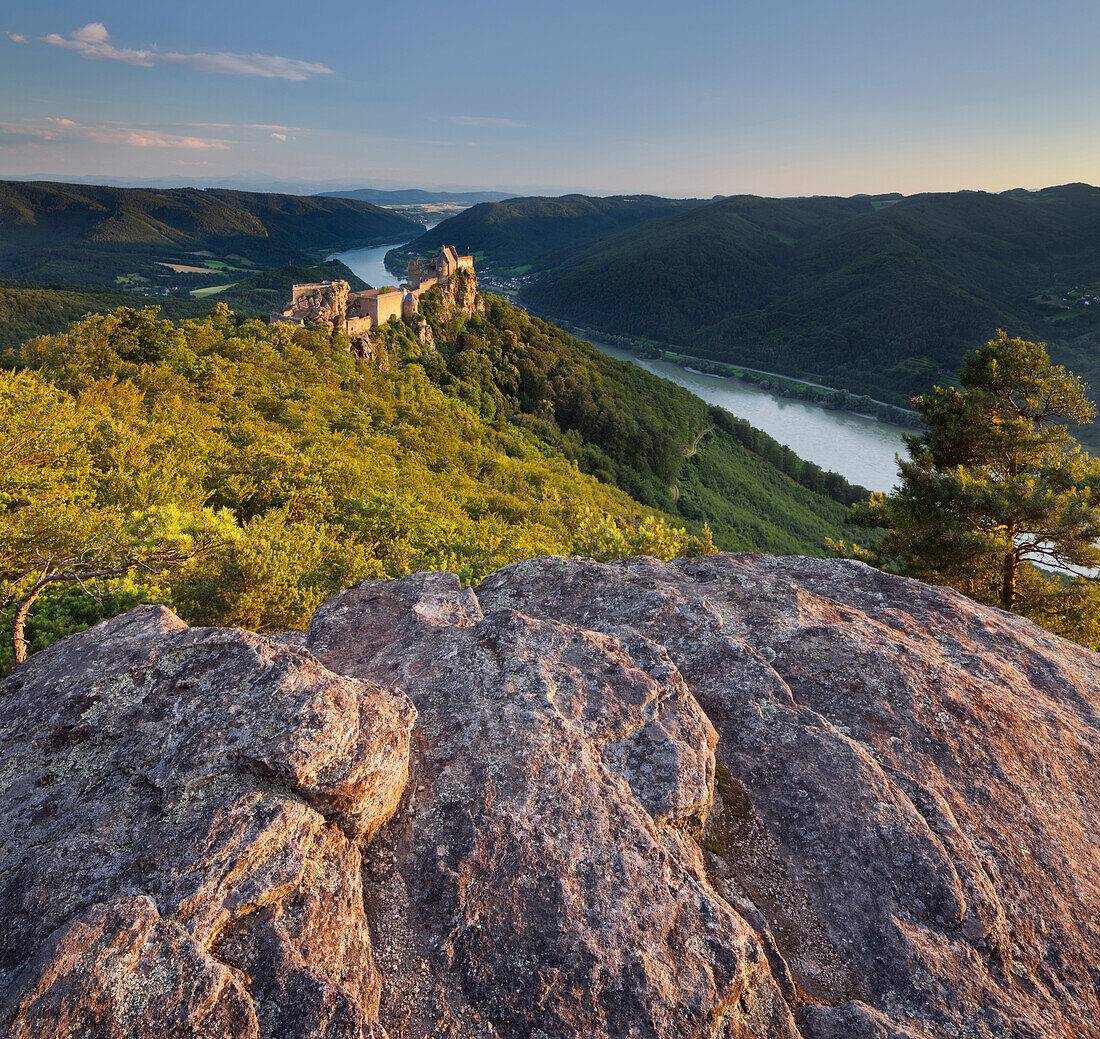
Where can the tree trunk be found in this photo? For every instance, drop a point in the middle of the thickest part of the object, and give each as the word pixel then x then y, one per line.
pixel 1008 581
pixel 19 644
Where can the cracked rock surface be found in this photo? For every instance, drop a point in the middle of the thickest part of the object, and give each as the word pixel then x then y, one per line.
pixel 734 796
pixel 179 829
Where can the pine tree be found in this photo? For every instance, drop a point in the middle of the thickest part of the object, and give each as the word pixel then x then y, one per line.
pixel 997 481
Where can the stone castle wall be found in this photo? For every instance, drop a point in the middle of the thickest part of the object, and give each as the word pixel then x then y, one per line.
pixel 330 303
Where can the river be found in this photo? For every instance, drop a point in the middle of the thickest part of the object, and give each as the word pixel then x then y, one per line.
pixel 860 449
pixel 367 263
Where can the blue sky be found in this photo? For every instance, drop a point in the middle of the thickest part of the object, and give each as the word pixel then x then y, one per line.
pixel 780 98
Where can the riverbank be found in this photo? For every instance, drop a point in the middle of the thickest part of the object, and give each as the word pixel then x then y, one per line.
pixel 859 447
pixel 829 397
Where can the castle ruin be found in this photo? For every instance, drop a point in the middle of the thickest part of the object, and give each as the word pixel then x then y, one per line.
pixel 333 304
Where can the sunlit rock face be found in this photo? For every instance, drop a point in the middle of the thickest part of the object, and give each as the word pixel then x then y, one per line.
pixel 732 796
pixel 179 835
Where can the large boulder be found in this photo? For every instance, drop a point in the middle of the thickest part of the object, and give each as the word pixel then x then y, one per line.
pixel 180 822
pixel 541 878
pixel 907 805
pixel 733 796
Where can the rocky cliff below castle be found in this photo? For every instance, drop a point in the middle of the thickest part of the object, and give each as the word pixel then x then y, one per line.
pixel 736 796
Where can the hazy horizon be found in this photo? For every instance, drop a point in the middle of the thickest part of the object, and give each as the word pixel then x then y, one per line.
pixel 258 183
pixel 784 100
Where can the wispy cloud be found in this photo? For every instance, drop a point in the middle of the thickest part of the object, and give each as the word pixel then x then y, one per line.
pixel 57 129
pixel 17 37
pixel 93 41
pixel 272 127
pixel 486 120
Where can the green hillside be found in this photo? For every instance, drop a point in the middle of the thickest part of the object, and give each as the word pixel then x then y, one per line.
pixel 126 237
pixel 880 296
pixel 304 467
pixel 30 309
pixel 524 231
pixel 631 429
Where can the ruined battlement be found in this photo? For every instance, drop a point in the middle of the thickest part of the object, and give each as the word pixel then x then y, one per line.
pixel 323 302
pixel 331 303
pixel 441 269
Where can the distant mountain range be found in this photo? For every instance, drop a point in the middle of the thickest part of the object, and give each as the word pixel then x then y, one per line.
pixel 880 295
pixel 523 232
pixel 94 235
pixel 417 196
pixel 257 182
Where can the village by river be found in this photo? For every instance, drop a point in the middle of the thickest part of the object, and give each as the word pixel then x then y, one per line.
pixel 861 449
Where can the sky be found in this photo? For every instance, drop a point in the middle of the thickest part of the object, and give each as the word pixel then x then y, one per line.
pixel 776 97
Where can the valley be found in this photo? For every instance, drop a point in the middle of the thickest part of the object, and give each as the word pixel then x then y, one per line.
pixel 168 243
pixel 858 448
pixel 861 449
pixel 875 295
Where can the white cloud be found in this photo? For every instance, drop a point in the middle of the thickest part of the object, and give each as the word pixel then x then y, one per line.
pixel 93 32
pixel 17 37
pixel 54 129
pixel 94 42
pixel 486 120
pixel 279 136
pixel 267 66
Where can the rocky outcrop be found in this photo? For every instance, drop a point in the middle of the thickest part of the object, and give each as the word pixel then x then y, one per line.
pixel 179 830
pixel 365 347
pixel 460 292
pixel 324 303
pixel 732 796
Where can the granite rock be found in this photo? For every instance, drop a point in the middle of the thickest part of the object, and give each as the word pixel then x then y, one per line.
pixel 734 796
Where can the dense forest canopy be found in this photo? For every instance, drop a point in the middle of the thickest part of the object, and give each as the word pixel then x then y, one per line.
pixel 877 295
pixel 314 468
pixel 302 467
pixel 80 234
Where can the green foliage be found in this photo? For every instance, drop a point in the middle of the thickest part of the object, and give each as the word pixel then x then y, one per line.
pixel 29 309
pixel 65 518
pixel 92 235
pixel 630 428
pixel 66 609
pixel 996 486
pixel 301 467
pixel 878 300
pixel 298 467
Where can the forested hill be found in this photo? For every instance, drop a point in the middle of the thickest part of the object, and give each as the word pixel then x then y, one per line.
pixel 525 231
pixel 877 295
pixel 634 430
pixel 313 467
pixel 84 234
pixel 29 308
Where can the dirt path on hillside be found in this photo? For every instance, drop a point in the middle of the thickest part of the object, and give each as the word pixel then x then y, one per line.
pixel 688 454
